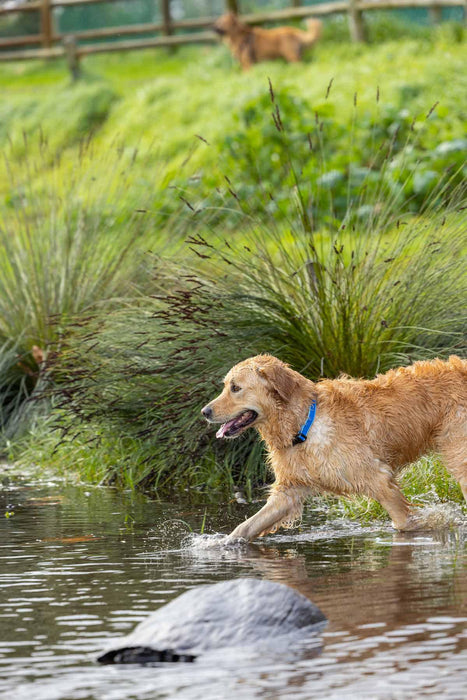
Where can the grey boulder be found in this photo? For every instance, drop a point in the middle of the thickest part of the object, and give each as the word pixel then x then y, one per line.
pixel 238 613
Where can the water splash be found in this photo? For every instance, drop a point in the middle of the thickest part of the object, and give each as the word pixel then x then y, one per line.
pixel 215 541
pixel 438 516
pixel 332 529
pixel 433 517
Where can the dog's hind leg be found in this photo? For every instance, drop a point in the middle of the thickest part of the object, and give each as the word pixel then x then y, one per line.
pixel 451 443
pixel 385 490
pixel 283 506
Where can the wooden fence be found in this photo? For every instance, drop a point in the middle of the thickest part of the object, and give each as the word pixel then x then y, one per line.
pixel 53 44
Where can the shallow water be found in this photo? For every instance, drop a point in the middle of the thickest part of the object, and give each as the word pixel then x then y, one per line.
pixel 80 566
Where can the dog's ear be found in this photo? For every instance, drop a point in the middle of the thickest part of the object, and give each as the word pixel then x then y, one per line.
pixel 281 380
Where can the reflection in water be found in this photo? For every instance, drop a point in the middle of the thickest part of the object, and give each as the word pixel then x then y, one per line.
pixel 78 567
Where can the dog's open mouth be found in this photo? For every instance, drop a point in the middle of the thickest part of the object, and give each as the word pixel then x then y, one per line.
pixel 235 426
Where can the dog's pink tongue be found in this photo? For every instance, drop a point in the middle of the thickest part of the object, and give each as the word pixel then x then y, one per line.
pixel 223 429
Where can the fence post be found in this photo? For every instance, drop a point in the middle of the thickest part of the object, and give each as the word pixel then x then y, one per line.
pixel 356 22
pixel 72 56
pixel 166 18
pixel 434 13
pixel 232 6
pixel 46 24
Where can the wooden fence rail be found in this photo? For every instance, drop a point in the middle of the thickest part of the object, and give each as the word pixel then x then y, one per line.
pixel 54 44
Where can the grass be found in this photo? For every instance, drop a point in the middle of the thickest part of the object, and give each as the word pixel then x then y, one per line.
pixel 148 100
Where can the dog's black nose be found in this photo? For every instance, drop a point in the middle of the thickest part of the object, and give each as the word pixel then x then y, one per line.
pixel 207 412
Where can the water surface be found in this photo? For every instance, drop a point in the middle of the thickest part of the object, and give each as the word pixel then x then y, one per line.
pixel 80 566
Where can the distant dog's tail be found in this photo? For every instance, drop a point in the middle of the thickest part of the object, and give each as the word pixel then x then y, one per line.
pixel 314 30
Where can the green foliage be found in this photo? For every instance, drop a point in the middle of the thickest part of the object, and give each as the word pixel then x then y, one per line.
pixel 257 150
pixel 20 24
pixel 393 148
pixel 385 26
pixel 77 18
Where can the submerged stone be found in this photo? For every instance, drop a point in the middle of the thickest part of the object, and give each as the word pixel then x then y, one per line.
pixel 236 613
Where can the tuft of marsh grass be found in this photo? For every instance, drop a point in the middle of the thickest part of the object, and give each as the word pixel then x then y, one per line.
pixel 69 244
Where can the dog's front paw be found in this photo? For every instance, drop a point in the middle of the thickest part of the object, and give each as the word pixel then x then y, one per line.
pixel 235 541
pixel 241 532
pixel 413 522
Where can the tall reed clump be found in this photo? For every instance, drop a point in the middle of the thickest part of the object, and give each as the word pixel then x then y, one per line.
pixel 70 243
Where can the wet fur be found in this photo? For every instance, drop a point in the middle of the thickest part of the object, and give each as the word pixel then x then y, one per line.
pixel 250 45
pixel 364 433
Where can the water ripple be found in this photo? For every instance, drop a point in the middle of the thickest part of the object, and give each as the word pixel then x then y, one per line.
pixel 74 574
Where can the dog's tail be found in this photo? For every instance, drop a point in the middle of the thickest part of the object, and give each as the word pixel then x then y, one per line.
pixel 314 29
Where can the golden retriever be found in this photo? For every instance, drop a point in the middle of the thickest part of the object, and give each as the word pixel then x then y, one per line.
pixel 362 434
pixel 250 45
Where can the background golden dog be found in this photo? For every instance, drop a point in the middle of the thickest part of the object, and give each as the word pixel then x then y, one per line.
pixel 252 44
pixel 364 432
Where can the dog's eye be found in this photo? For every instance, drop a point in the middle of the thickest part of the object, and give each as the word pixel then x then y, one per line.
pixel 234 388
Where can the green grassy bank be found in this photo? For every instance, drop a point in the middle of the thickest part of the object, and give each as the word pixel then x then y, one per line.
pixel 168 215
pixel 162 103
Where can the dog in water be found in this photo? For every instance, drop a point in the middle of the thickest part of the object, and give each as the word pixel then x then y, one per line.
pixel 344 436
pixel 250 45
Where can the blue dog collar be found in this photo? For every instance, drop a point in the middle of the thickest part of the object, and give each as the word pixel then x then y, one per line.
pixel 303 432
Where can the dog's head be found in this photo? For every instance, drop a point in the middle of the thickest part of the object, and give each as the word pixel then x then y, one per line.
pixel 226 25
pixel 253 389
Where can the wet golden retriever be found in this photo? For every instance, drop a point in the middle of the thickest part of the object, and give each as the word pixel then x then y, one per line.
pixel 363 432
pixel 250 45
